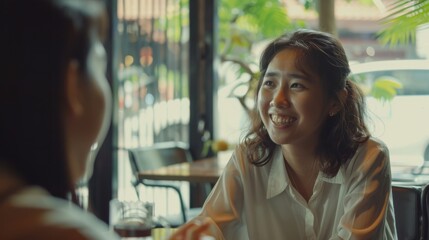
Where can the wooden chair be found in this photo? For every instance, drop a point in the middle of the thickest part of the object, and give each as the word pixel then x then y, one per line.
pixel 157 156
pixel 408 211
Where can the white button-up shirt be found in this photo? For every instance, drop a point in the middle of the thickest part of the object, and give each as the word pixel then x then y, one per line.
pixel 250 202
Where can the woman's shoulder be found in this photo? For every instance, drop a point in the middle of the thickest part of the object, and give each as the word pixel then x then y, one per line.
pixel 241 159
pixel 34 213
pixel 371 153
pixel 240 154
pixel 373 145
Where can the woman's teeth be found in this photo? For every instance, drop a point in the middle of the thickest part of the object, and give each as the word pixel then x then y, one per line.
pixel 282 120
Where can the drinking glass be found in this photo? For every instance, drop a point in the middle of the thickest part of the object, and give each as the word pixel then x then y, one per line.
pixel 134 219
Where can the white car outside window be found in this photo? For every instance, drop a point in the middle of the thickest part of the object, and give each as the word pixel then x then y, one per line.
pixel 402 122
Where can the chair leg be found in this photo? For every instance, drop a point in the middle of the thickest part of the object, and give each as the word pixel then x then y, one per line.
pixel 182 205
pixel 136 189
pixel 179 193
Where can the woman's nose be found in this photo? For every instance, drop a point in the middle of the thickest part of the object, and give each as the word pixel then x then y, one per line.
pixel 280 99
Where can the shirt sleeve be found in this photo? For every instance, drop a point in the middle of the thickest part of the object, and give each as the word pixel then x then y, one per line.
pixel 225 202
pixel 366 202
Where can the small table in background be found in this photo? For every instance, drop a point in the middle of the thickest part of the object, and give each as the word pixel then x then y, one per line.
pixel 207 170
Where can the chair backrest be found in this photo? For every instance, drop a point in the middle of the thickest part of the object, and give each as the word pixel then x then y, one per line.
pixel 158 155
pixel 408 212
pixel 425 209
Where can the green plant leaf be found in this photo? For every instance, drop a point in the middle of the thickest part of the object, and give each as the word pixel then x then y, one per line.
pixel 241 25
pixel 385 88
pixel 257 20
pixel 405 16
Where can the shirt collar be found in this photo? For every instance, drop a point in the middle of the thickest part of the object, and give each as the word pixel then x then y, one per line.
pixel 278 178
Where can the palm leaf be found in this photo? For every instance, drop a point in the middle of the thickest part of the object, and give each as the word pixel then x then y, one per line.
pixel 268 18
pixel 404 17
pixel 264 18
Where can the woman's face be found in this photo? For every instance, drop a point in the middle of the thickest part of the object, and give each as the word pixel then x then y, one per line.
pixel 96 112
pixel 292 104
pixel 102 99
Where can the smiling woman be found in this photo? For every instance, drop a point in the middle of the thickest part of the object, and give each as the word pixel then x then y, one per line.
pixel 308 167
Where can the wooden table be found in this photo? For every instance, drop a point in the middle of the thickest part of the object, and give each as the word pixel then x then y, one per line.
pixel 208 170
pixel 205 170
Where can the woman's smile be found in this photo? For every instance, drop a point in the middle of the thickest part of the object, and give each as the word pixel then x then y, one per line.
pixel 282 121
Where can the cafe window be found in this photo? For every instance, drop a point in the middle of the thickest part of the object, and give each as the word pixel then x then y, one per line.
pixel 153 83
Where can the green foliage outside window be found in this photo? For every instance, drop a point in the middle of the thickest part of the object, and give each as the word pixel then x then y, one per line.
pixel 242 24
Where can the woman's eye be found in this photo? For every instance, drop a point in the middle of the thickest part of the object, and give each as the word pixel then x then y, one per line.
pixel 296 85
pixel 268 83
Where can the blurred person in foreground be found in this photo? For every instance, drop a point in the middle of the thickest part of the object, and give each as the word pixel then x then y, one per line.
pixel 308 167
pixel 55 103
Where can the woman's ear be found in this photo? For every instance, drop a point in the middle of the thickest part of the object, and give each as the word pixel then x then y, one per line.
pixel 73 99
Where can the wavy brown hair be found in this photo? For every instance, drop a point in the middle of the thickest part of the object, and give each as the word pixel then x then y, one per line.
pixel 323 55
